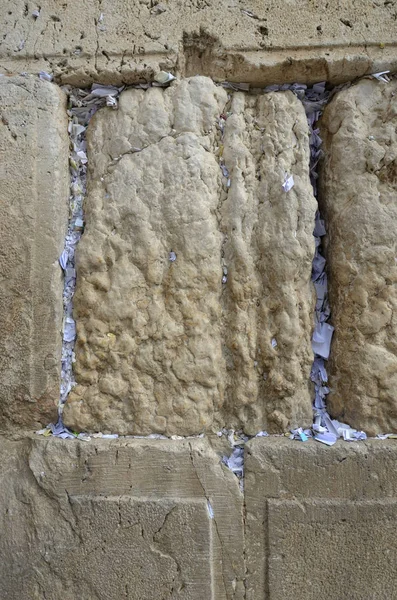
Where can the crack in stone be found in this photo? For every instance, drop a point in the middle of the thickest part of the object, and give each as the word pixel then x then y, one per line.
pixel 223 551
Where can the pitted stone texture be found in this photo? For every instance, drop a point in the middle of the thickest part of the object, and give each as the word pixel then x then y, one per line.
pixel 161 342
pixel 118 519
pixel 268 250
pixel 260 42
pixel 34 189
pixel 357 550
pixel 149 353
pixel 320 520
pixel 359 187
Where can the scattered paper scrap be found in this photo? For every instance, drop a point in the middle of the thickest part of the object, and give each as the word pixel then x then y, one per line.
pixel 63 259
pixel 321 341
pixel 225 171
pixel 288 183
pixel 163 77
pixel 329 439
pixel 249 13
pixel 45 76
pixel 319 227
pixel 69 330
pixel 235 462
pixel 158 9
pixel 100 24
pixel 381 76
pixel 111 101
pixel 102 91
pixel 330 425
pixel 300 434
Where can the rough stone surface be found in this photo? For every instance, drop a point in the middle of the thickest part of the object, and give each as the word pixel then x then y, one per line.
pixel 166 346
pixel 268 249
pixel 118 519
pixel 335 562
pixel 149 354
pixel 320 520
pixel 263 42
pixel 359 187
pixel 34 188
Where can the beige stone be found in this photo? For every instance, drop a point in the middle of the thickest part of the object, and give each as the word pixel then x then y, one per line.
pixel 269 42
pixel 323 548
pixel 34 188
pixel 268 249
pixel 320 521
pixel 115 519
pixel 149 354
pixel 166 346
pixel 359 182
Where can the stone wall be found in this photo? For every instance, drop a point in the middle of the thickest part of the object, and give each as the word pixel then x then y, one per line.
pixel 144 519
pixel 259 42
pixel 194 305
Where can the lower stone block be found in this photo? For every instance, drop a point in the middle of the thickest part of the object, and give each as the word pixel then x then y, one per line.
pixel 320 522
pixel 332 549
pixel 137 519
pixel 154 548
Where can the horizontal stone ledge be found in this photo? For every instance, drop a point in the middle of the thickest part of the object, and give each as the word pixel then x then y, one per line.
pixel 258 67
pixel 277 467
pixel 105 518
pixel 217 36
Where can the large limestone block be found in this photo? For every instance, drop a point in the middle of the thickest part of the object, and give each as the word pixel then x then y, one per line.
pixel 359 187
pixel 320 521
pixel 120 519
pixel 149 353
pixel 34 188
pixel 262 42
pixel 268 249
pixel 333 565
pixel 166 346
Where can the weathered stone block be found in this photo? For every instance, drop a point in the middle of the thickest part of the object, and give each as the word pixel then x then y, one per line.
pixel 136 519
pixel 262 43
pixel 167 346
pixel 268 248
pixel 320 520
pixel 34 189
pixel 359 186
pixel 331 548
